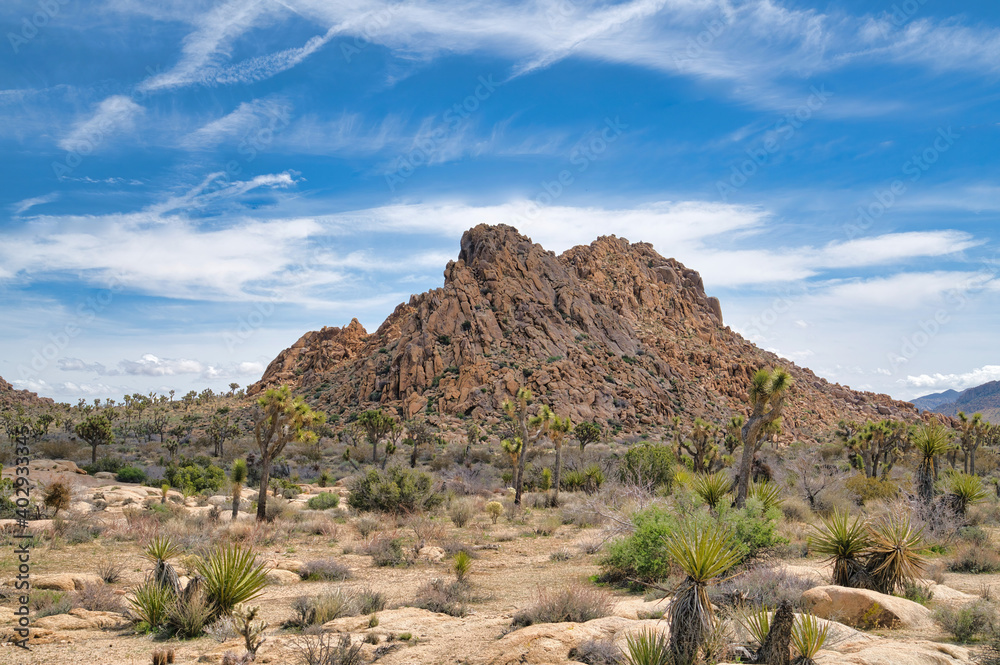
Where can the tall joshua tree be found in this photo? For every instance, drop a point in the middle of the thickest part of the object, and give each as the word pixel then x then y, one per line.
pixel 238 476
pixel 768 389
pixel 973 432
pixel 280 419
pixel 557 429
pixel 517 409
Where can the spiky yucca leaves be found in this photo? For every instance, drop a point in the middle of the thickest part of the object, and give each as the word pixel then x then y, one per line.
pixel 893 557
pixel 930 441
pixel 232 576
pixel 703 555
pixel 160 548
pixel 768 493
pixel 461 565
pixel 757 623
pixel 808 637
pixel 844 543
pixel 150 601
pixel 647 647
pixel 966 490
pixel 712 488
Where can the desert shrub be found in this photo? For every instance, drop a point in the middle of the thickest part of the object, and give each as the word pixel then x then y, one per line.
pixel 367 525
pixel 388 552
pixel 975 559
pixel 974 534
pixel 864 489
pixel 753 527
pixel 596 652
pixel 641 556
pixel 575 603
pixel 327 649
pixel 426 529
pixel 494 509
pixel 918 593
pixel 397 490
pixel 461 511
pixel 443 597
pixel 760 587
pixel 278 508
pixel 968 621
pixel 548 525
pixel 370 601
pixel 110 570
pixel 99 598
pixel 57 495
pixel 317 610
pixel 324 501
pixel 131 474
pixel 194 478
pixel 232 576
pixel 649 466
pixel 324 569
pixel 188 614
pixel 75 532
pixel 48 603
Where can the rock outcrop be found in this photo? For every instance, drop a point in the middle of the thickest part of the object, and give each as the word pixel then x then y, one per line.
pixel 865 609
pixel 611 331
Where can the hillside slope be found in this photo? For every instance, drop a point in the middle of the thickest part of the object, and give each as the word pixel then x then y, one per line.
pixel 610 331
pixel 983 399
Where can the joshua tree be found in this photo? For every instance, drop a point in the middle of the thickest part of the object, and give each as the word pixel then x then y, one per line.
pixel 587 432
pixel 95 430
pixel 767 400
pixel 221 429
pixel 930 441
pixel 701 448
pixel 880 445
pixel 377 425
pixel 419 434
pixel 473 435
pixel 514 448
pixel 517 409
pixel 280 419
pixel 973 433
pixel 238 475
pixel 557 428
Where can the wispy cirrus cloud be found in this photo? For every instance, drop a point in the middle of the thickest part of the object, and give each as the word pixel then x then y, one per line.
pixel 114 115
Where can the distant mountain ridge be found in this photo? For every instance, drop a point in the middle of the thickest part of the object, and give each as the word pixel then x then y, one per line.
pixel 984 399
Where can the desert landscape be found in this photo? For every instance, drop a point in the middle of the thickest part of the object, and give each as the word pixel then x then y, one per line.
pixel 550 459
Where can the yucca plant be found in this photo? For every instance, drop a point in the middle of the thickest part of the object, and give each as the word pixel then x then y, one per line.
pixel 232 576
pixel 703 555
pixel 768 493
pixel 188 614
pixel 158 551
pixel 844 543
pixel 712 488
pixel 930 441
pixel 808 637
pixel 966 490
pixel 757 623
pixel 150 601
pixel 647 647
pixel 461 565
pixel 893 555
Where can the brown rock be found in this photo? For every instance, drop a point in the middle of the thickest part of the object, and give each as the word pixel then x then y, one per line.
pixel 866 609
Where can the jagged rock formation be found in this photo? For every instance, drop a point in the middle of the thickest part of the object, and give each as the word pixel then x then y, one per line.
pixel 11 398
pixel 612 331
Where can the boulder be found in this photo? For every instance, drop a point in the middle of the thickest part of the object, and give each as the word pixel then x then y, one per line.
pixel 280 577
pixel 889 652
pixel 104 475
pixel 866 609
pixel 64 581
pixel 80 619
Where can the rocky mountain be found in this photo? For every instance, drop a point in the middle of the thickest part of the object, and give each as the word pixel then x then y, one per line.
pixel 9 397
pixel 610 331
pixel 983 399
pixel 929 402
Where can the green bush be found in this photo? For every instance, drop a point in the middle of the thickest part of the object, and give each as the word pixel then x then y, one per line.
pixel 865 489
pixel 394 491
pixel 195 478
pixel 753 528
pixel 641 556
pixel 131 474
pixel 324 500
pixel 109 464
pixel 649 466
pixel 968 621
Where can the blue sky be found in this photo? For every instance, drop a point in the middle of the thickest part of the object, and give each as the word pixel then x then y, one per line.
pixel 190 186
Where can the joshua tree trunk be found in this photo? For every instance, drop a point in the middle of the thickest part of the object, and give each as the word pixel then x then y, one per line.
pixel 926 473
pixel 237 493
pixel 776 648
pixel 555 499
pixel 265 477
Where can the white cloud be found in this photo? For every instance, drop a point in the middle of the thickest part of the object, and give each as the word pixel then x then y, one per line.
pixel 23 206
pixel 114 115
pixel 259 114
pixel 938 382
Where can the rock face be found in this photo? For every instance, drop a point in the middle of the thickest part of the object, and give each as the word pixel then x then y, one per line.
pixel 611 331
pixel 9 397
pixel 866 609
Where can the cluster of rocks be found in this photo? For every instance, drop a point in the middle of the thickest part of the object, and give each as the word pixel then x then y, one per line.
pixel 611 331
